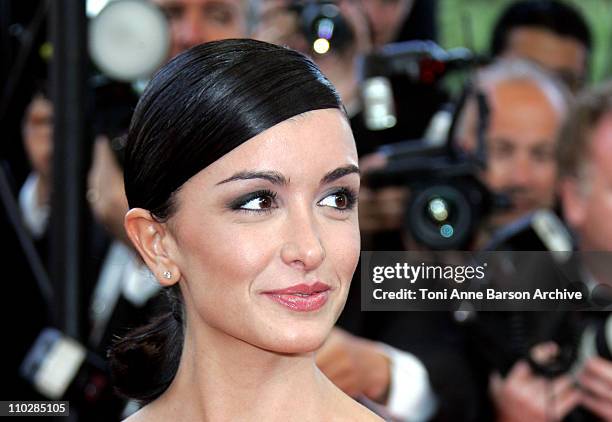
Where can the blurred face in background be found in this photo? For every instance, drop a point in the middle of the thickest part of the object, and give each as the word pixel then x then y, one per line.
pixel 280 24
pixel 587 202
pixel 564 56
pixel 194 22
pixel 386 18
pixel 520 142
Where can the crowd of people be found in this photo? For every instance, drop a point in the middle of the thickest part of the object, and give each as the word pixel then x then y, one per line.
pixel 548 143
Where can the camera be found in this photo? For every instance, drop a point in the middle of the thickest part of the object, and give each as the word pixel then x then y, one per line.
pixel 447 199
pixel 323 26
pixel 422 63
pixel 60 368
pixel 124 54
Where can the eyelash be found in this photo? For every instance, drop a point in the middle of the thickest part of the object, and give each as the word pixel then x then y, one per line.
pixel 351 198
pixel 238 204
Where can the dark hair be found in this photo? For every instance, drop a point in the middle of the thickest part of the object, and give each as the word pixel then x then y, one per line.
pixel 555 16
pixel 198 107
pixel 588 110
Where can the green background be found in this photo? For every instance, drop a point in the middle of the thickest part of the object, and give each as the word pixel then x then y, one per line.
pixel 469 23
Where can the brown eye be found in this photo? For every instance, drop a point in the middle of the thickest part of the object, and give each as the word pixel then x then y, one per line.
pixel 263 200
pixel 259 203
pixel 339 200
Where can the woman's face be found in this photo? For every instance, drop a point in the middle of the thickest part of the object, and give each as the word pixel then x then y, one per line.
pixel 267 239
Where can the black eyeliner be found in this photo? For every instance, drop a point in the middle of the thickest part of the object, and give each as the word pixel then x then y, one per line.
pixel 351 197
pixel 241 201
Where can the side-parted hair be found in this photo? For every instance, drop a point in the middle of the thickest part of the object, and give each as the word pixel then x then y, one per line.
pixel 197 108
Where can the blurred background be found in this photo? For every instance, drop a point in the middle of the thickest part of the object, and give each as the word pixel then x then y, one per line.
pixel 474 122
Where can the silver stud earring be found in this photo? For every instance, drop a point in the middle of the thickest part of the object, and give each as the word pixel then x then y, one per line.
pixel 167 275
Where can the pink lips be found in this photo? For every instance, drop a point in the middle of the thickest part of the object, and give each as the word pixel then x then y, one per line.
pixel 301 297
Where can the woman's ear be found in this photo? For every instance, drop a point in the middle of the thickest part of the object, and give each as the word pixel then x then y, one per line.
pixel 148 236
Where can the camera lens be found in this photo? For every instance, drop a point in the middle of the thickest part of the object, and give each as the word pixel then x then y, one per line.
pixel 440 216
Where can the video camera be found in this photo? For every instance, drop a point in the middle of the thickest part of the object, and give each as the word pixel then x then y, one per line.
pixel 420 62
pixel 447 198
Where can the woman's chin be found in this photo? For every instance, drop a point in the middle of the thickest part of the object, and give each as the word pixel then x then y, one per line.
pixel 300 342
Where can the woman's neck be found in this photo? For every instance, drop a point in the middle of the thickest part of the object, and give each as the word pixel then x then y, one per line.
pixel 224 378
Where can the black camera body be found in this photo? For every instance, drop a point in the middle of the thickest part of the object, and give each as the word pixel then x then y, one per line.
pixel 446 198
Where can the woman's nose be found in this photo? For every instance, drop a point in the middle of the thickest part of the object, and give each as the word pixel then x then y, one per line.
pixel 303 247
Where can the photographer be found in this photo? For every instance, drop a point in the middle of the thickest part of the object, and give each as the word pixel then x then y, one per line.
pixel 585 168
pixel 290 23
pixel 582 392
pixel 526 108
pixel 536 393
pixel 550 33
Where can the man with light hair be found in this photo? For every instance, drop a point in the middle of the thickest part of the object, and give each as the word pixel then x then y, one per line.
pixel 526 107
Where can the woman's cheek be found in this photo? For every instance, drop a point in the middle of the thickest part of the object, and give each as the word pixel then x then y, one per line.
pixel 356 250
pixel 346 243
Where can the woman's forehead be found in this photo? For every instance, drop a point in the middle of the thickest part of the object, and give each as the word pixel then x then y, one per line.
pixel 314 140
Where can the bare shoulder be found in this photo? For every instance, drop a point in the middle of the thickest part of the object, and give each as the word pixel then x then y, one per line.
pixel 159 410
pixel 347 409
pixel 363 414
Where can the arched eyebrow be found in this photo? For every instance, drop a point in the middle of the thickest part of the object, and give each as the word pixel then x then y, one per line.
pixel 273 177
pixel 277 178
pixel 339 172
